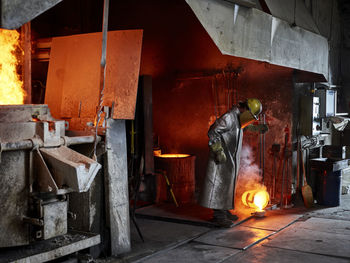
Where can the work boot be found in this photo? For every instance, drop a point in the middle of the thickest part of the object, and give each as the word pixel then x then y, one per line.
pixel 231 216
pixel 220 219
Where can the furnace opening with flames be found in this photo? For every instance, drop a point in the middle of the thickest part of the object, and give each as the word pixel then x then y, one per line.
pixel 37 169
pixel 11 85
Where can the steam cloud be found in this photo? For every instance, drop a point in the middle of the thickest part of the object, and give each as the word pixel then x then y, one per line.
pixel 249 177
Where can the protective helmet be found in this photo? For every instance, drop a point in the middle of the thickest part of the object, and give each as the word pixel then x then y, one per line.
pixel 254 107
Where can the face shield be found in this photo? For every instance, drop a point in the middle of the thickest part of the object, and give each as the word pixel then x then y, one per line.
pixel 246 118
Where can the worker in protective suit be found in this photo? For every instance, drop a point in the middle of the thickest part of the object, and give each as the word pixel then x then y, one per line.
pixel 225 143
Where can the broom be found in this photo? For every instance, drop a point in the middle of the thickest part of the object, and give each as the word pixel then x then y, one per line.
pixel 306 190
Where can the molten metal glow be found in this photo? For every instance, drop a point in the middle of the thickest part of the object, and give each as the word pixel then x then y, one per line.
pixel 172 155
pixel 261 200
pixel 257 199
pixel 11 91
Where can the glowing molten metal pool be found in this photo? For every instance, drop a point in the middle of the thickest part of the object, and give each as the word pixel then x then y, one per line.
pixel 173 155
pixel 257 199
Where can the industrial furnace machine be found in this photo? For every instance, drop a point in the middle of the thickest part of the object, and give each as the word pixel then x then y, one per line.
pixel 37 173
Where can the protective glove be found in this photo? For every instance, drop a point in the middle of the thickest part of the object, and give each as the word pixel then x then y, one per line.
pixel 218 151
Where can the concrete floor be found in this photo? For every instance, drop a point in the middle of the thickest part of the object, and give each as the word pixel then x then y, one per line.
pixel 292 235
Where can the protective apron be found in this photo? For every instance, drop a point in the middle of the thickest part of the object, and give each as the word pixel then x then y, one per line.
pixel 220 182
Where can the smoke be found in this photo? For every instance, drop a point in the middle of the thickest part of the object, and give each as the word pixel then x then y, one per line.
pixel 249 178
pixel 248 171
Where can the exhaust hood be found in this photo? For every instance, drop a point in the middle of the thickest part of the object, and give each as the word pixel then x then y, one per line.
pixel 250 33
pixel 15 13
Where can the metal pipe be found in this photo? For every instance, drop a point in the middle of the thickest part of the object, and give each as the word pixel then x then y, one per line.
pixel 274 172
pixel 282 185
pixel 260 151
pixel 283 167
pixel 33 221
pixel 31 143
pixel 20 145
pixel 287 184
pixel 263 151
pixel 65 140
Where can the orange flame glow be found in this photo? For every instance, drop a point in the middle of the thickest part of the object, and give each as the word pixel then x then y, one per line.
pixel 173 155
pixel 257 199
pixel 11 91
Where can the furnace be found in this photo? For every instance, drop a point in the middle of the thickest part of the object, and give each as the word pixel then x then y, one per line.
pixel 38 171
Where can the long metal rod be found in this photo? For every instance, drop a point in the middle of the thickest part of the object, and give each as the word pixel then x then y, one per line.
pixel 263 151
pixel 298 164
pixel 29 144
pixel 287 183
pixel 283 167
pixel 282 185
pixel 260 152
pixel 274 173
pixel 102 68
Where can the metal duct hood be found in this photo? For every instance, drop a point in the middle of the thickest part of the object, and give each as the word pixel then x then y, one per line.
pixel 15 13
pixel 250 33
pixel 293 12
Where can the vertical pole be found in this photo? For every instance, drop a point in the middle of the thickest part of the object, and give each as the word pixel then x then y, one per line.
pixel 27 65
pixel 260 151
pixel 284 167
pixel 263 151
pixel 148 123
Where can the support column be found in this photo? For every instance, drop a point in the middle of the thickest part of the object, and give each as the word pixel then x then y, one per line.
pixel 116 179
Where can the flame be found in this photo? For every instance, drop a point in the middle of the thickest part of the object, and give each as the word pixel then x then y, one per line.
pixel 11 91
pixel 172 155
pixel 257 199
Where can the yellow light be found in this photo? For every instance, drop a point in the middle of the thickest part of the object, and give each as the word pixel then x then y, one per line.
pixel 257 199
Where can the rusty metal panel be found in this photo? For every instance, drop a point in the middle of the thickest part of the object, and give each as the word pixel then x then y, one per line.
pixel 74 73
